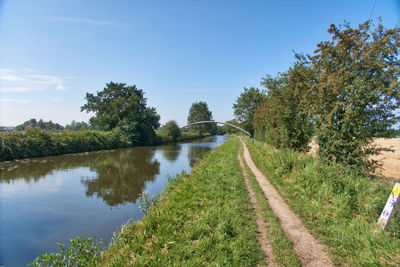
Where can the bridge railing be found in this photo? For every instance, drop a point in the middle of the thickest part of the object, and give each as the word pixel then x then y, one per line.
pixel 216 122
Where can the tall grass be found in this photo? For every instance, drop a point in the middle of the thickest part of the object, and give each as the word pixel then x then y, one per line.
pixel 340 207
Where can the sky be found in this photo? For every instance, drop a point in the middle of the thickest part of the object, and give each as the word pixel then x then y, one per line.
pixel 179 52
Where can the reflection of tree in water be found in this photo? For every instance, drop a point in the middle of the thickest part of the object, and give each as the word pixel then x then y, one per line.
pixel 122 178
pixel 32 170
pixel 171 152
pixel 121 174
pixel 195 153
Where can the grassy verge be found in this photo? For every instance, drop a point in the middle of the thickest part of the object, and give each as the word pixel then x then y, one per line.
pixel 281 244
pixel 202 219
pixel 340 208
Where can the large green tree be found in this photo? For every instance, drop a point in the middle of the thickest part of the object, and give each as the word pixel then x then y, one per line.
pixel 123 106
pixel 282 119
pixel 356 93
pixel 199 112
pixel 245 106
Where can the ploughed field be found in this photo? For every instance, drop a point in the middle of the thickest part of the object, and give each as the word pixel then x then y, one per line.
pixel 390 160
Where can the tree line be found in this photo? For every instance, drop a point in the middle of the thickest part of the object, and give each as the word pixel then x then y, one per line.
pixel 119 108
pixel 344 94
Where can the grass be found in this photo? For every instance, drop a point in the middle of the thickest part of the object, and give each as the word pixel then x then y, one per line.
pixel 202 219
pixel 339 208
pixel 281 244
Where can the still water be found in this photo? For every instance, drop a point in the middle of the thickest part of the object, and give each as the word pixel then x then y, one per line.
pixel 53 199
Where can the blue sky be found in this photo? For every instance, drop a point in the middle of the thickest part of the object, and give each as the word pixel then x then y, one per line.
pixel 178 52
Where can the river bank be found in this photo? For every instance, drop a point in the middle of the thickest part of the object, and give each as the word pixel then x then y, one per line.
pixel 34 142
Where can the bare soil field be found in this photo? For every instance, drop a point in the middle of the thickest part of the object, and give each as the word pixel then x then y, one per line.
pixel 390 160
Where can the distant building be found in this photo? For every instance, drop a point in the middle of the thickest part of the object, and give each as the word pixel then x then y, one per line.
pixel 7 128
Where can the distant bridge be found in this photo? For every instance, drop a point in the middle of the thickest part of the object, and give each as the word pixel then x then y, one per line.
pixel 203 122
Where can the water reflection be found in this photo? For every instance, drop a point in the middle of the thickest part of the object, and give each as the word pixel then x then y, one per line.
pixel 119 176
pixel 122 178
pixel 196 152
pixel 171 152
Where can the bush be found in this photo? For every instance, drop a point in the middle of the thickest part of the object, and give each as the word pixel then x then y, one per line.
pixel 172 130
pixel 37 143
pixel 82 253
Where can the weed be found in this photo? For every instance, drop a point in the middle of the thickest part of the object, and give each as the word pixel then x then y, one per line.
pixel 81 253
pixel 146 201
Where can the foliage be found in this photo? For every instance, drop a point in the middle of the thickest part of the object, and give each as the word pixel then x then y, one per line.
pixel 82 253
pixel 230 130
pixel 146 202
pixel 282 120
pixel 32 123
pixel 122 106
pixel 356 93
pixel 34 142
pixel 339 207
pixel 245 106
pixel 172 130
pixel 76 126
pixel 202 219
pixel 199 112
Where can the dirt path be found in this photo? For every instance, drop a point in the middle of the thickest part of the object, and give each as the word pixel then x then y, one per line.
pixel 309 250
pixel 261 225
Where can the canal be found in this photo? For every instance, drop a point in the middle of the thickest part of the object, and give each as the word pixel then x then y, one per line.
pixel 54 199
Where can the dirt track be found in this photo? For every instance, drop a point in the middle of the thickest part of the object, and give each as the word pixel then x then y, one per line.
pixel 309 250
pixel 261 225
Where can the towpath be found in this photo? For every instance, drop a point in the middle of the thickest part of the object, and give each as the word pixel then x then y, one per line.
pixel 309 250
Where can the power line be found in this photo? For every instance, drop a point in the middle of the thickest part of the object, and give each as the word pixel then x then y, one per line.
pixel 372 11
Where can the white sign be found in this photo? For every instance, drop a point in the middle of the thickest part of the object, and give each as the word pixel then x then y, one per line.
pixel 390 204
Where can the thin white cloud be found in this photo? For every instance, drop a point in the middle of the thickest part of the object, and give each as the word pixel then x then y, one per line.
pixel 56 99
pixel 27 80
pixel 84 20
pixel 13 100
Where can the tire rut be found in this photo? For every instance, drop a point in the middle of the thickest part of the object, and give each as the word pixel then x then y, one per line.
pixel 261 224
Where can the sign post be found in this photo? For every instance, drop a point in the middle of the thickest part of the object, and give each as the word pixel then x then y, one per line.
pixel 389 207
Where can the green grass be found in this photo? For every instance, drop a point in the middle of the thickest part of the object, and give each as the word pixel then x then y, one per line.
pixel 281 245
pixel 202 219
pixel 339 207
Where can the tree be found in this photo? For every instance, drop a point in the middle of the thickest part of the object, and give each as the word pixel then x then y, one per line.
pixel 199 112
pixel 356 93
pixel 245 106
pixel 119 105
pixel 282 119
pixel 76 126
pixel 172 130
pixel 32 123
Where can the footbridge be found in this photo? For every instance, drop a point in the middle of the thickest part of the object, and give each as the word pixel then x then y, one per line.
pixel 216 122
